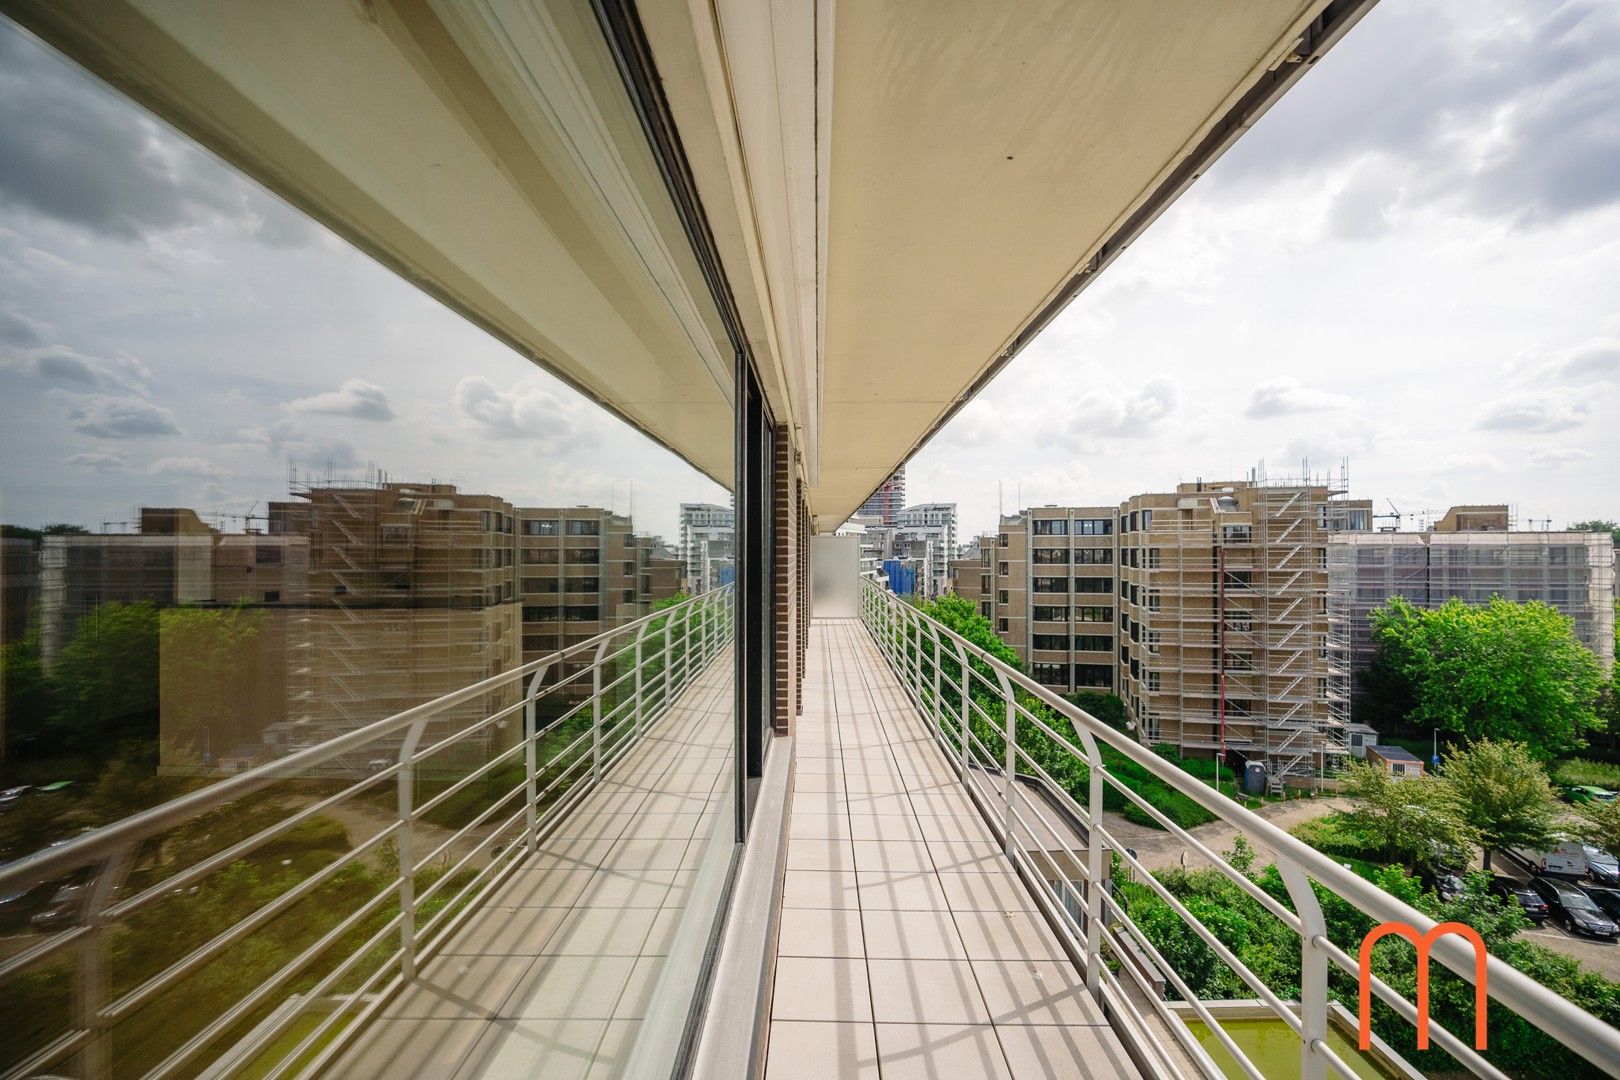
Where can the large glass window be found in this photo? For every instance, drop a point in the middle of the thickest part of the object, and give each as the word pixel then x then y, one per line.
pixel 268 506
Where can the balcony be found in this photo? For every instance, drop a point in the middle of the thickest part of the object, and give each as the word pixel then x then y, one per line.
pixel 934 915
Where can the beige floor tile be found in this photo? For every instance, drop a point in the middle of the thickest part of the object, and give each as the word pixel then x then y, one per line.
pixel 986 892
pixel 460 988
pixel 820 855
pixel 916 935
pixel 926 992
pixel 506 931
pixel 820 932
pixel 902 890
pixel 1007 935
pixel 863 826
pixel 807 1050
pixel 1063 1053
pixel 818 826
pixel 976 856
pixel 821 988
pixel 543 886
pixel 416 1048
pixel 907 855
pixel 1035 992
pixel 571 987
pixel 603 932
pixel 819 889
pixel 941 1052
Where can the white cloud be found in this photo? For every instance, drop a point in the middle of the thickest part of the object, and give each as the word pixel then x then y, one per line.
pixel 355 398
pixel 108 417
pixel 1556 457
pixel 1592 360
pixel 1286 396
pixel 528 410
pixel 1126 413
pixel 187 466
pixel 301 446
pixel 66 368
pixel 101 460
pixel 978 423
pixel 1540 411
pixel 1464 463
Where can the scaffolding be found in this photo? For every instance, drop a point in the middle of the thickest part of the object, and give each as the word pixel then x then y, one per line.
pixel 1230 643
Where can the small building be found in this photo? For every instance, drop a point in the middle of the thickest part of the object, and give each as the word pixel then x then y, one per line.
pixel 1359 738
pixel 1395 760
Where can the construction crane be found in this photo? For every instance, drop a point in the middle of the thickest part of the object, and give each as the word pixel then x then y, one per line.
pixel 1393 515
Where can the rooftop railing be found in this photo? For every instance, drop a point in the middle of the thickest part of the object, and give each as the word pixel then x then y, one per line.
pixel 234 929
pixel 983 713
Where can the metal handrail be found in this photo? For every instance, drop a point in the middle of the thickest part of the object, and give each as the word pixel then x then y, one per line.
pixel 680 641
pixel 900 630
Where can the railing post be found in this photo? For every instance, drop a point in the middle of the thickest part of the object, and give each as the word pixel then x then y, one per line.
pixel 596 711
pixel 91 992
pixel 967 730
pixel 1010 753
pixel 1313 971
pixel 933 636
pixel 1094 865
pixel 406 789
pixel 531 769
pixel 640 633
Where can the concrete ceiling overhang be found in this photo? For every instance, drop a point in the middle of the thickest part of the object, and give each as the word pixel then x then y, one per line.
pixel 982 158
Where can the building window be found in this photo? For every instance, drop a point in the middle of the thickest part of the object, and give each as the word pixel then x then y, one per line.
pixel 1153 601
pixel 984 609
pixel 1001 568
pixel 583 585
pixel 1051 527
pixel 1093 643
pixel 1153 681
pixel 273 596
pixel 539 584
pixel 1048 613
pixel 539 528
pixel 1237 660
pixel 1050 674
pixel 1052 642
pixel 1094 556
pixel 1094 527
pixel 1094 676
pixel 1051 556
pixel 1094 614
pixel 1091 585
pixel 1239 707
pixel 584 528
pixel 1153 558
pixel 1239 622
pixel 1001 596
pixel 1237 534
pixel 1001 626
pixel 585 557
pixel 984 583
pixel 1051 584
pixel 539 613
pixel 1238 579
pixel 1154 637
pixel 581 613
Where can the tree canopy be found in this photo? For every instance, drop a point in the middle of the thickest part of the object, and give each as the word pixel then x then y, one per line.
pixel 1415 821
pixel 1499 670
pixel 1503 793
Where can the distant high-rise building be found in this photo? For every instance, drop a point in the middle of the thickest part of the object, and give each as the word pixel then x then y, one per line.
pixel 926 534
pixel 886 502
pixel 1204 609
pixel 1470 554
pixel 708 545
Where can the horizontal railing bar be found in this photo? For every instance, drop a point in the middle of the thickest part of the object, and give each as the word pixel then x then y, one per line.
pixel 467 781
pixel 51 862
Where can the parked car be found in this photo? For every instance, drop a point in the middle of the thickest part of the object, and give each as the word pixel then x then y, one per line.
pixel 11 796
pixel 1534 907
pixel 1574 910
pixel 1607 899
pixel 20 905
pixel 1601 867
pixel 1565 860
pixel 1446 885
pixel 1585 793
pixel 64 907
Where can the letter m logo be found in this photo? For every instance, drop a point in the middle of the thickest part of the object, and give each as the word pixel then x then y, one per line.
pixel 1423 943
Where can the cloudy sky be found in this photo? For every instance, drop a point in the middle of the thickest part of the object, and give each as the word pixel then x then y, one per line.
pixel 1412 263
pixel 171 335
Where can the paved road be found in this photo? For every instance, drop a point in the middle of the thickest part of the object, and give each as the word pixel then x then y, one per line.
pixel 1158 849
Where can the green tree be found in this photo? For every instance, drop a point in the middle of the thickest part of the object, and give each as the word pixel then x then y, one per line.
pixel 1599 525
pixel 107 676
pixel 1600 824
pixel 1504 795
pixel 1415 821
pixel 1499 670
pixel 205 657
pixel 27 699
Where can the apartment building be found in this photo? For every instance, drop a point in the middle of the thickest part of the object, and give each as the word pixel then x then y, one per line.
pixel 1470 554
pixel 708 545
pixel 412 593
pixel 885 504
pixel 583 570
pixel 1204 609
pixel 926 535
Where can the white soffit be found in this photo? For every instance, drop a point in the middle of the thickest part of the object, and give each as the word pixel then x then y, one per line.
pixel 980 155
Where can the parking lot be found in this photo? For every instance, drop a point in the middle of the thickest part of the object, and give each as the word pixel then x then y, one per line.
pixel 1602 957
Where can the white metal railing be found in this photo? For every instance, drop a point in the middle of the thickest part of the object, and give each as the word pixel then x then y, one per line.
pixel 123 948
pixel 954 684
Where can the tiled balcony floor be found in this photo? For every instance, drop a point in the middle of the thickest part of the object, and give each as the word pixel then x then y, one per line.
pixel 583 962
pixel 908 947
